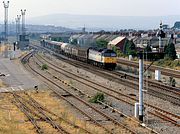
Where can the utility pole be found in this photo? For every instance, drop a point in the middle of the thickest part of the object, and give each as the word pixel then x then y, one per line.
pixel 23 13
pixel 6 6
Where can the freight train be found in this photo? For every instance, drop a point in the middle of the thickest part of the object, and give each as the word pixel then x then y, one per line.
pixel 104 58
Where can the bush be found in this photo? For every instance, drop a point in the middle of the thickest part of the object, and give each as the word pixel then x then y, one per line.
pixel 118 52
pixel 102 43
pixel 98 97
pixel 168 62
pixel 44 67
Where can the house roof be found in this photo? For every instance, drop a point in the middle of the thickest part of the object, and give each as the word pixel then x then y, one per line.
pixel 102 37
pixel 117 40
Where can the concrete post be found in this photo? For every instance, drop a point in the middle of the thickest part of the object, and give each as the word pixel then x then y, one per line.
pixel 141 89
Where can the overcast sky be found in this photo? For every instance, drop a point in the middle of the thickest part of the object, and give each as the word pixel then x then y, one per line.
pixel 94 7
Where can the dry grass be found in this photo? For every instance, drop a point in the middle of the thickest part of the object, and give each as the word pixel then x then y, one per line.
pixel 13 121
pixel 62 110
pixel 2 84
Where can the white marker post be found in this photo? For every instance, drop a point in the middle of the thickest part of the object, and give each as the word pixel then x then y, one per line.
pixel 141 105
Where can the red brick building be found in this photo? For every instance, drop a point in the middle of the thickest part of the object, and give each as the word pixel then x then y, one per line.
pixel 118 42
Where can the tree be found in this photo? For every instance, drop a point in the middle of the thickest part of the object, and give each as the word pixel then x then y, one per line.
pixel 118 52
pixel 148 49
pixel 171 51
pixel 59 39
pixel 74 42
pixel 102 43
pixel 130 48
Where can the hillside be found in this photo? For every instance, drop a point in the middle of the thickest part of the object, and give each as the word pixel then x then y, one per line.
pixel 97 22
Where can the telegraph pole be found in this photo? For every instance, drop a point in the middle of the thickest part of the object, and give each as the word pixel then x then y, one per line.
pixel 6 6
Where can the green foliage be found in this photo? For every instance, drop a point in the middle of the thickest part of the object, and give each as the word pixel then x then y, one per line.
pixel 130 48
pixel 171 51
pixel 118 52
pixel 44 67
pixel 148 49
pixel 168 62
pixel 59 39
pixel 74 42
pixel 23 62
pixel 98 97
pixel 102 43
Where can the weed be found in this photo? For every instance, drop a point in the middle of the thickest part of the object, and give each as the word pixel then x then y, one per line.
pixel 98 97
pixel 44 67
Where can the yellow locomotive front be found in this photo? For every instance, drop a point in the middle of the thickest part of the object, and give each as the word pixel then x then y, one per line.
pixel 109 58
pixel 105 58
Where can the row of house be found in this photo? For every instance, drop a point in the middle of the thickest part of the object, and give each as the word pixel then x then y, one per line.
pixel 141 41
pixel 85 40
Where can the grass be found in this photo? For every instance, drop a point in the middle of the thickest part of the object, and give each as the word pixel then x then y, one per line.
pixel 2 84
pixel 14 121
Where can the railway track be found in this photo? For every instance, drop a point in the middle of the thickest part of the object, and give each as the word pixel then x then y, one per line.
pixel 30 117
pixel 32 111
pixel 167 72
pixel 153 89
pixel 82 101
pixel 156 109
pixel 159 112
pixel 36 113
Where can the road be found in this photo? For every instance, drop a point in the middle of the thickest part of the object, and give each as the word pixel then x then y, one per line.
pixel 16 75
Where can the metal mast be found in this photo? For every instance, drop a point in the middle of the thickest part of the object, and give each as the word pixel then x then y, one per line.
pixel 16 19
pixel 161 35
pixel 18 26
pixel 6 6
pixel 23 13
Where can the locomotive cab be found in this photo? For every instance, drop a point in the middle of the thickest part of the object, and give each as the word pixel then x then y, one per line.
pixel 109 58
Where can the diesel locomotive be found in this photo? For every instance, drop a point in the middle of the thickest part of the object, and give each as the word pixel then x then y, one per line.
pixel 104 58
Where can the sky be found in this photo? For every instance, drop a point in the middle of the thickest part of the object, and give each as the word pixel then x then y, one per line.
pixel 93 7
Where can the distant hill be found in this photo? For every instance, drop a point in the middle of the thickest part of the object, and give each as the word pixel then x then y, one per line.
pixel 98 22
pixel 38 29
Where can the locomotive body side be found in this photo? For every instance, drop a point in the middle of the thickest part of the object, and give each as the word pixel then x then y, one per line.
pixel 95 56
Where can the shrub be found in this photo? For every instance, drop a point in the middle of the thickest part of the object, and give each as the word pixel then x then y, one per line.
pixel 44 67
pixel 168 62
pixel 98 97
